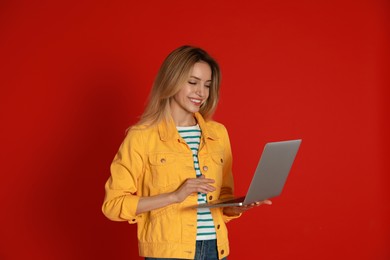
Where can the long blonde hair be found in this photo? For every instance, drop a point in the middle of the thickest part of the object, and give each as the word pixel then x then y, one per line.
pixel 173 73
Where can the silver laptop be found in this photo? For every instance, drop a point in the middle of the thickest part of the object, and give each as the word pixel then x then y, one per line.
pixel 270 175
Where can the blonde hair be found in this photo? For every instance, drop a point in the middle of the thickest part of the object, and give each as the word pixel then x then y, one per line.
pixel 173 73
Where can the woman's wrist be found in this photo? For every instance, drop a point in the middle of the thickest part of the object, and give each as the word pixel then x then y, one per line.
pixel 172 198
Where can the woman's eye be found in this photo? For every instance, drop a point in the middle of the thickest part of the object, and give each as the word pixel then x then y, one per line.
pixel 207 86
pixel 192 82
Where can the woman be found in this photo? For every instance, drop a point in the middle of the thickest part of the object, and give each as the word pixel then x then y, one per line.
pixel 174 158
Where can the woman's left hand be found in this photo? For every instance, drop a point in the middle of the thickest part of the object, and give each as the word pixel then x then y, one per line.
pixel 234 211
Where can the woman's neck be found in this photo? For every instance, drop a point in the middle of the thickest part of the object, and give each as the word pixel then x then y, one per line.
pixel 185 121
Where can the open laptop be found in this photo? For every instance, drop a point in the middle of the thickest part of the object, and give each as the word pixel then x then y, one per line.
pixel 270 175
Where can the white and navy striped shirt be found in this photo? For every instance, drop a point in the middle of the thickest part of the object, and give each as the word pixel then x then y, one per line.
pixel 205 223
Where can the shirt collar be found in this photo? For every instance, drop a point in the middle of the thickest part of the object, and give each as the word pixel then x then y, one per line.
pixel 167 129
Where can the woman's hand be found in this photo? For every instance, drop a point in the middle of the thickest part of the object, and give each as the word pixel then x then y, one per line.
pixel 190 186
pixel 193 185
pixel 234 211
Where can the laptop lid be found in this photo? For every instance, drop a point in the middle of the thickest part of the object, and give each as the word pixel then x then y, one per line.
pixel 270 175
pixel 272 170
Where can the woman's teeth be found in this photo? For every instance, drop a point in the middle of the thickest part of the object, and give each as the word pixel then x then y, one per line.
pixel 196 101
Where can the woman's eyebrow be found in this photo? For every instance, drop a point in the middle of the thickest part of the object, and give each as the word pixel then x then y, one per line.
pixel 198 78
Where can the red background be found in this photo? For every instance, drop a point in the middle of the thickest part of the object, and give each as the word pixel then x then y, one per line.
pixel 75 75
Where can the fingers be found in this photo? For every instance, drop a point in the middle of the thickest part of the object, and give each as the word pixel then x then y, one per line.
pixel 200 184
pixel 204 179
pixel 258 203
pixel 242 209
pixel 194 185
pixel 234 211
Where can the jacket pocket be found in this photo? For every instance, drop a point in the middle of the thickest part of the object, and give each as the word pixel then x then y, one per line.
pixel 212 167
pixel 164 170
pixel 218 159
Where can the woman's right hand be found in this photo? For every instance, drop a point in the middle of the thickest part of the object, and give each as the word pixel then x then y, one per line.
pixel 190 186
pixel 193 185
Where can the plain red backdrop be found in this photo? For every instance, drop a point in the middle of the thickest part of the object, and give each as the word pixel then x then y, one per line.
pixel 76 74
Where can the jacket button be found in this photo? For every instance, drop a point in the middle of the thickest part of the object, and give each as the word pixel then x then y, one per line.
pixel 218 226
pixel 221 160
pixel 163 160
pixel 205 168
pixel 222 252
pixel 210 197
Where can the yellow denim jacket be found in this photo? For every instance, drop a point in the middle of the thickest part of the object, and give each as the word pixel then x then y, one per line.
pixel 155 160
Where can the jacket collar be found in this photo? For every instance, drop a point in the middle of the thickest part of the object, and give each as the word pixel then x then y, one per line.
pixel 167 129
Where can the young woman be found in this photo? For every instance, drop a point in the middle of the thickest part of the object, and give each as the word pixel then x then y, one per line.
pixel 174 158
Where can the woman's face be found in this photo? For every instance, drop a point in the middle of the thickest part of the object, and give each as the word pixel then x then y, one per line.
pixel 192 94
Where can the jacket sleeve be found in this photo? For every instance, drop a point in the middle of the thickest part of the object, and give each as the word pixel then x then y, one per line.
pixel 227 189
pixel 121 200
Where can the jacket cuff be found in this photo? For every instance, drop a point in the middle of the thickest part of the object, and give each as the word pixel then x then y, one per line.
pixel 129 208
pixel 226 218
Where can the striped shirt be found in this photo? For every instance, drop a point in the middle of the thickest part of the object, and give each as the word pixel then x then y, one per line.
pixel 205 223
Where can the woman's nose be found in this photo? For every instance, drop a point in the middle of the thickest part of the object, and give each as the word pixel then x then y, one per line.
pixel 200 91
